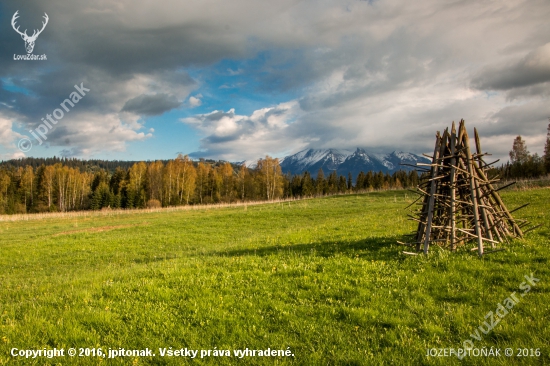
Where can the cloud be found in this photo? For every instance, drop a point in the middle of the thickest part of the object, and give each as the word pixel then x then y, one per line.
pixel 7 135
pixel 9 139
pixel 151 105
pixel 93 134
pixel 382 74
pixel 195 101
pixel 123 103
pixel 533 69
pixel 233 137
pixel 234 72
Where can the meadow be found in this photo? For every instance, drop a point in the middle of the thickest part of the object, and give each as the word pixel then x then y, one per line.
pixel 321 277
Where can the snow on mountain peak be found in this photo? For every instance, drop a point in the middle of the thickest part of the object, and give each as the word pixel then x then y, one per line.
pixel 345 161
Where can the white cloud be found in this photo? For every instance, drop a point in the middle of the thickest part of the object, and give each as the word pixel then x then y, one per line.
pixel 7 134
pixel 92 134
pixel 233 137
pixel 9 139
pixel 195 101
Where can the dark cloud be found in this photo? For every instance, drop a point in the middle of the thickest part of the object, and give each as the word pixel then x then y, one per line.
pixel 531 70
pixel 218 115
pixel 541 90
pixel 358 74
pixel 151 105
pixel 529 119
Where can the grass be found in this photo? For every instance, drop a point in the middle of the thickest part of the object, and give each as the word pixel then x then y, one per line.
pixel 324 277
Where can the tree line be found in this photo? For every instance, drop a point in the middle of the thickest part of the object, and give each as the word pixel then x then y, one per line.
pixel 59 185
pixel 67 185
pixel 523 164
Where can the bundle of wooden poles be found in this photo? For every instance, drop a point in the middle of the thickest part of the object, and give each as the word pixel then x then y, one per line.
pixel 460 203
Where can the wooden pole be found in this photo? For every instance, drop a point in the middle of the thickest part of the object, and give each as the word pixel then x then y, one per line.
pixel 478 189
pixel 473 192
pixel 432 194
pixel 497 198
pixel 453 188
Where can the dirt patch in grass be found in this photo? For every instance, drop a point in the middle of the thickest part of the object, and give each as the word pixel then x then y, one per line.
pixel 98 229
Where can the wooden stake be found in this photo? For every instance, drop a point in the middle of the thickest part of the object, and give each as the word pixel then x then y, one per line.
pixel 432 195
pixel 473 192
pixel 453 189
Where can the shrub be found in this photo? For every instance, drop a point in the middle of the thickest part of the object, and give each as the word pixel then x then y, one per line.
pixel 154 204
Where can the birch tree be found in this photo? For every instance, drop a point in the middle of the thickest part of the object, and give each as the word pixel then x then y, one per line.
pixel 271 177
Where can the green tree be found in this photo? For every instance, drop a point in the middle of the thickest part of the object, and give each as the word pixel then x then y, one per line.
pixel 307 185
pixel 296 186
pixel 136 185
pixel 547 151
pixel 342 184
pixel 320 183
pixel 360 182
pixel 5 181
pixel 378 180
pixel 102 197
pixel 369 181
pixel 332 183
pixel 413 178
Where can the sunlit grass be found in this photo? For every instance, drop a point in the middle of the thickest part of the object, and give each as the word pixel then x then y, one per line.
pixel 324 277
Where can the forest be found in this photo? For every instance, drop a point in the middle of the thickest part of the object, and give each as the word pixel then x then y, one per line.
pixel 58 185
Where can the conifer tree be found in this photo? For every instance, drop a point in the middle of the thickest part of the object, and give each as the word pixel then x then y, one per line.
pixel 360 182
pixel 369 181
pixel 307 185
pixel 5 181
pixel 296 186
pixel 332 183
pixel 342 184
pixel 547 151
pixel 320 182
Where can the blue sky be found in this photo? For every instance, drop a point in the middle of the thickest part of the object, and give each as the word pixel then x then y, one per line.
pixel 240 80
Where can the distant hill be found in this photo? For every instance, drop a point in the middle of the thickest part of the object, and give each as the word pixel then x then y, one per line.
pixel 88 165
pixel 82 165
pixel 311 160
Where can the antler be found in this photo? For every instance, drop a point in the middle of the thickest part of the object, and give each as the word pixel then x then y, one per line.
pixel 35 35
pixel 13 19
pixel 36 31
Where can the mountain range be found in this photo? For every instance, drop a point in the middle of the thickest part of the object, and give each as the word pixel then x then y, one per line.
pixel 346 161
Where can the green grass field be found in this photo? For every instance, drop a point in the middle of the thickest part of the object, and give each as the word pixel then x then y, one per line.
pixel 324 277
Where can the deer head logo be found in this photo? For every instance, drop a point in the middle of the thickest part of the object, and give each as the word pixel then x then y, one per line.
pixel 29 41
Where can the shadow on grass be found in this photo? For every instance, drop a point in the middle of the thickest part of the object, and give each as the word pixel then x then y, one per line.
pixel 368 248
pixel 151 259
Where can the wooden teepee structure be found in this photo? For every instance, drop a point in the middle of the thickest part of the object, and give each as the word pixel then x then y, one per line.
pixel 459 202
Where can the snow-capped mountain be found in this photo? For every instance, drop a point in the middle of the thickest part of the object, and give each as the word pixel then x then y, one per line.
pixel 346 161
pixel 313 159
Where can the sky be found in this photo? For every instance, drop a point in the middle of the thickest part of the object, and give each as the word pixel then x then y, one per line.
pixel 241 79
